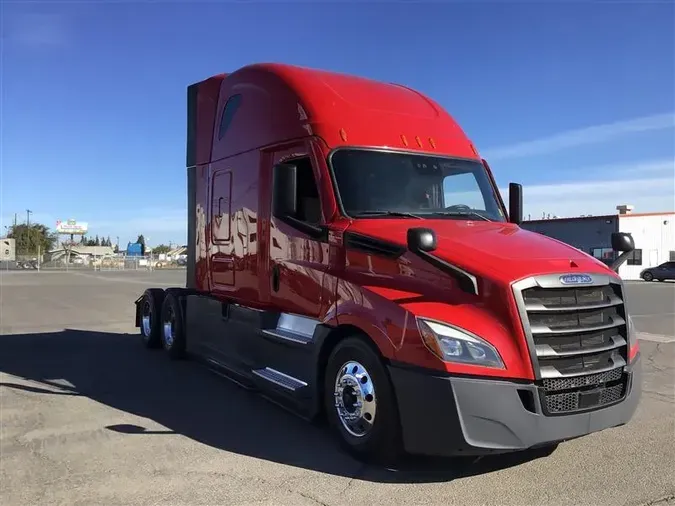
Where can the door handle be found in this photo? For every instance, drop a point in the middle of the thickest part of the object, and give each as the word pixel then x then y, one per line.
pixel 275 277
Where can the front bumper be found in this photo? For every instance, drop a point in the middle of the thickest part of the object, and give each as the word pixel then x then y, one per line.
pixel 446 416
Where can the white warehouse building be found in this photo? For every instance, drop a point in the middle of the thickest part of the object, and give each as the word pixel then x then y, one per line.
pixel 653 233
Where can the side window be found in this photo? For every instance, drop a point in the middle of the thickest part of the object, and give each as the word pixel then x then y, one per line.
pixel 635 258
pixel 221 206
pixel 308 203
pixel 229 111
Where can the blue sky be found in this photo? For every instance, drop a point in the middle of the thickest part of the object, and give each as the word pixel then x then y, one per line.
pixel 576 100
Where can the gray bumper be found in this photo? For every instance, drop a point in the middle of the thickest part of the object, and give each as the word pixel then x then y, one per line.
pixel 465 416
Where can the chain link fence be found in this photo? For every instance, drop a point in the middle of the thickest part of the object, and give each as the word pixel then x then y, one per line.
pixel 83 263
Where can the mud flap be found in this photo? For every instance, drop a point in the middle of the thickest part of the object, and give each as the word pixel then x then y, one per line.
pixel 137 319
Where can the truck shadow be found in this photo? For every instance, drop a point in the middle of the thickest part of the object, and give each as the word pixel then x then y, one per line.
pixel 187 399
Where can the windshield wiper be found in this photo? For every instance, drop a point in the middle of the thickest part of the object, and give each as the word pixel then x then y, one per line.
pixel 388 213
pixel 461 213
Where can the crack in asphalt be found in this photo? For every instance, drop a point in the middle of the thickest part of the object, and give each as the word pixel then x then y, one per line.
pixel 314 499
pixel 661 500
pixel 271 484
pixel 659 396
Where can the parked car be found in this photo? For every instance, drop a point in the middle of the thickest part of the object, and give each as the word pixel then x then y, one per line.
pixel 659 273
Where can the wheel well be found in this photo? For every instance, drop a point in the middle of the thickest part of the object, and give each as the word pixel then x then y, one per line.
pixel 336 335
pixel 181 295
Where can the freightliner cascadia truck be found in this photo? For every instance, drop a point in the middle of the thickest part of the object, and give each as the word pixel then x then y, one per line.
pixel 350 258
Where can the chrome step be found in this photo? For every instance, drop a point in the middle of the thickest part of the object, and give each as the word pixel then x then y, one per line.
pixel 279 378
pixel 294 328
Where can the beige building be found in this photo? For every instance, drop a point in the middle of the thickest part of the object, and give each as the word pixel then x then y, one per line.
pixel 81 254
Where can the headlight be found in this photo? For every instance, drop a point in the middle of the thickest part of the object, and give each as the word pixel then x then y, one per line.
pixel 452 344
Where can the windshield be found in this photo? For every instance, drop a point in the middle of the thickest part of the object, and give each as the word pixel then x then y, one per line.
pixel 374 184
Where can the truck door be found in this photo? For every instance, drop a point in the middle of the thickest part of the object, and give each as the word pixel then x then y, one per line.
pixel 298 262
pixel 222 244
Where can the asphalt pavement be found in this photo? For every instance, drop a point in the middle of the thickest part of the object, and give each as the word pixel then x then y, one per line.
pixel 90 417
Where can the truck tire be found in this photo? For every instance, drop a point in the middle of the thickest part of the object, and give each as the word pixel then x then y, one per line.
pixel 359 403
pixel 173 324
pixel 151 310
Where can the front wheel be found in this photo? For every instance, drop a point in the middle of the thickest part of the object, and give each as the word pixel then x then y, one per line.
pixel 360 404
pixel 648 276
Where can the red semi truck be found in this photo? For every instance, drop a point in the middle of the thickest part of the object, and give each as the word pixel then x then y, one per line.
pixel 350 257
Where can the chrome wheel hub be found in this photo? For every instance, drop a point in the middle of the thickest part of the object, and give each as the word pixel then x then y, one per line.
pixel 355 399
pixel 168 331
pixel 145 319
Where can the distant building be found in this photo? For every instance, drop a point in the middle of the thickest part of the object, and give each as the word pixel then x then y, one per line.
pixel 653 233
pixel 135 249
pixel 86 253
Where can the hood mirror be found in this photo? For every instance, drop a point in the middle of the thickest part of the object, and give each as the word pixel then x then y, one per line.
pixel 515 203
pixel 624 243
pixel 421 239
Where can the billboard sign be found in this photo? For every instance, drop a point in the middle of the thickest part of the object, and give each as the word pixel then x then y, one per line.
pixel 71 227
pixel 8 249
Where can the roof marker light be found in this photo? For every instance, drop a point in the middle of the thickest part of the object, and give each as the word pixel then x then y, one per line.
pixel 432 142
pixel 404 140
pixel 418 140
pixel 343 135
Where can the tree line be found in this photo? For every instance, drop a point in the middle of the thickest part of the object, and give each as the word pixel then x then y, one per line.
pixel 85 241
pixel 33 238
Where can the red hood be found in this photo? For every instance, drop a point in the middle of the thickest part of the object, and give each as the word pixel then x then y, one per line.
pixel 502 251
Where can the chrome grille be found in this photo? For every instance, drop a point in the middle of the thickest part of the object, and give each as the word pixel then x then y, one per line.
pixel 578 340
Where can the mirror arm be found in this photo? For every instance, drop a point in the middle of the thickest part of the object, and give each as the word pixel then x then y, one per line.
pixel 466 282
pixel 620 260
pixel 621 241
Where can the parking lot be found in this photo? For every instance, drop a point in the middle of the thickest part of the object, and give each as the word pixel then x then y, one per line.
pixel 89 417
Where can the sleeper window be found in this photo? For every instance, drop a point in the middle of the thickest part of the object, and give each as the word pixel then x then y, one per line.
pixel 229 111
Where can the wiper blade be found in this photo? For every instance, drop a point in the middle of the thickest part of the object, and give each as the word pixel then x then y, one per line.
pixel 389 213
pixel 461 213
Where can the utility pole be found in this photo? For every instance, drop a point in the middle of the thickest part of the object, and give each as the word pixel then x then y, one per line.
pixel 15 221
pixel 28 213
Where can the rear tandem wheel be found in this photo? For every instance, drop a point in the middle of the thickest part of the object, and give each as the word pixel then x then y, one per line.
pixel 173 323
pixel 150 317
